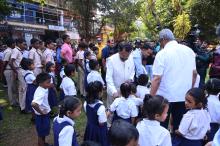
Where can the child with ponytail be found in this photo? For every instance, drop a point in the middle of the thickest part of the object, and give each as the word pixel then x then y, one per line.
pixel 63 125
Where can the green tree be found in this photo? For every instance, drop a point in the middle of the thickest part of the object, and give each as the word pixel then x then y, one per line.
pixel 122 14
pixel 4 9
pixel 206 14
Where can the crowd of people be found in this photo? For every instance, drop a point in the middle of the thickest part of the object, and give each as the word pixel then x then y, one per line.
pixel 155 97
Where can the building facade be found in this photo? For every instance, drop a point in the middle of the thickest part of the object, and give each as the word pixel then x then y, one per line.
pixel 33 20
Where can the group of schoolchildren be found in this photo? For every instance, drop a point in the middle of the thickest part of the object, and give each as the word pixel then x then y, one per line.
pixel 135 106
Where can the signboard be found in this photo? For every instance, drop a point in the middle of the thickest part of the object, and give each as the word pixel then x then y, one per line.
pixel 56 28
pixel 29 30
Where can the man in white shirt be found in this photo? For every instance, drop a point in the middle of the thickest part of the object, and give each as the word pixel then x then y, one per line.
pixel 120 69
pixel 174 71
pixel 16 57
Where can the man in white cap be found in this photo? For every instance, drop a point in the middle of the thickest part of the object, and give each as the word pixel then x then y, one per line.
pixel 174 71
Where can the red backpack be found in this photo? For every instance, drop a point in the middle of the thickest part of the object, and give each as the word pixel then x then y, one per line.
pixel 215 67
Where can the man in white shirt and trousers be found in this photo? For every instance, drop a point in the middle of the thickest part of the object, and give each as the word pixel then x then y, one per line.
pixel 174 71
pixel 120 69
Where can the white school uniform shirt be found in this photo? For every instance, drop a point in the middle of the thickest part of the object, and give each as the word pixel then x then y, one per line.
pixel 152 134
pixel 36 56
pixel 25 54
pixel 1 55
pixel 52 74
pixel 48 56
pixel 214 108
pixel 66 134
pixel 30 78
pixel 137 101
pixel 125 108
pixel 195 124
pixel 142 91
pixel 80 55
pixel 7 56
pixel 118 72
pixel 94 76
pixel 68 86
pixel 196 85
pixel 17 55
pixel 41 98
pixel 175 64
pixel 216 140
pixel 62 73
pixel 101 112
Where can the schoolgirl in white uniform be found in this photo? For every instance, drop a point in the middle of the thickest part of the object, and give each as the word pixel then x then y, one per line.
pixel 213 89
pixel 196 122
pixel 123 107
pixel 63 124
pixel 151 133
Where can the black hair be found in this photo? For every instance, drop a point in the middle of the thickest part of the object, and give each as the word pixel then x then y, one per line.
pixel 93 90
pixel 91 45
pixel 125 89
pixel 213 86
pixel 20 41
pixel 48 66
pixel 93 64
pixel 95 48
pixel 125 46
pixel 133 88
pixel 147 46
pixel 82 45
pixel 65 36
pixel 42 77
pixel 154 105
pixel 63 61
pixel 143 80
pixel 199 96
pixel 34 40
pixel 48 42
pixel 10 42
pixel 90 143
pixel 69 68
pixel 26 63
pixel 121 133
pixel 86 54
pixel 70 103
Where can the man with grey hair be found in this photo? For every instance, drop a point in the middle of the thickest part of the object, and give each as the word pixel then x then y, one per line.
pixel 174 71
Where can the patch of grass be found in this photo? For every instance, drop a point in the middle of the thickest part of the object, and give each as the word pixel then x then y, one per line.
pixel 17 129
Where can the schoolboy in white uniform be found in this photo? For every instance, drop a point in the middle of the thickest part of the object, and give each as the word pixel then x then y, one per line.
pixel 9 73
pixel 94 75
pixel 36 55
pixel 41 107
pixel 67 84
pixel 15 61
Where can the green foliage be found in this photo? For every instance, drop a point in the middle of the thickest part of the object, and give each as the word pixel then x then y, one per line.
pixel 206 13
pixel 182 25
pixel 4 9
pixel 122 14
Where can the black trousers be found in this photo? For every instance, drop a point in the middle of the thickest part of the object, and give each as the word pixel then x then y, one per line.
pixel 202 73
pixel 177 110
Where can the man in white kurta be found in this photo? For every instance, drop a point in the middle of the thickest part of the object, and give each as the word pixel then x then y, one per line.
pixel 174 71
pixel 120 69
